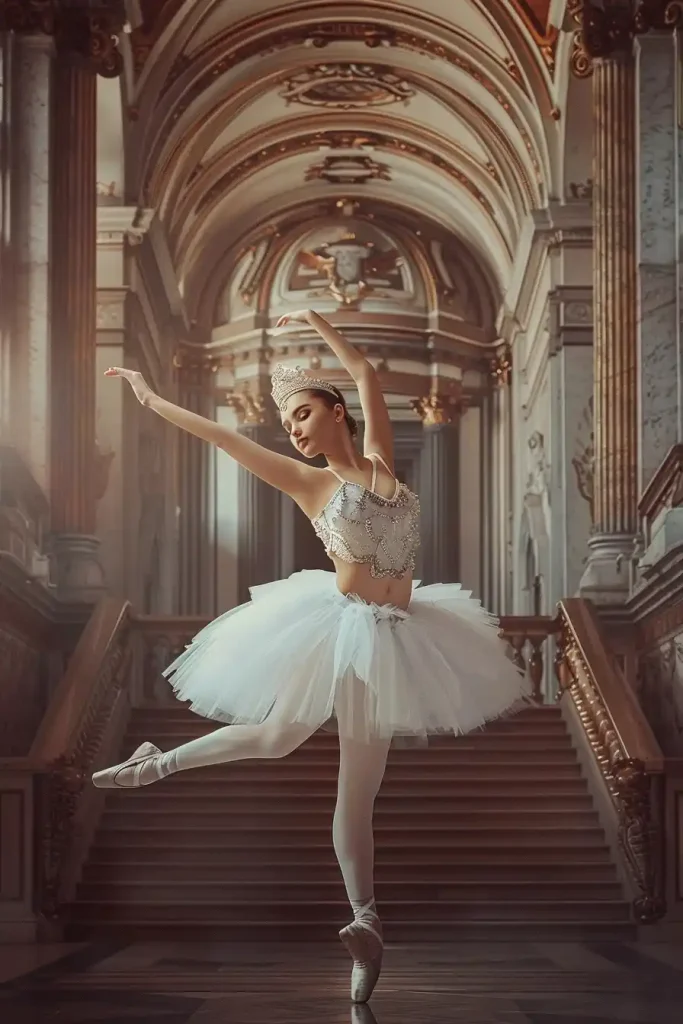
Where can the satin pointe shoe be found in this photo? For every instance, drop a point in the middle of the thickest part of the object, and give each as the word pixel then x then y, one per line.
pixel 108 777
pixel 363 939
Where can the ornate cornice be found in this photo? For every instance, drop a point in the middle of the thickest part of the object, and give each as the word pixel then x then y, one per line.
pixel 608 28
pixel 88 31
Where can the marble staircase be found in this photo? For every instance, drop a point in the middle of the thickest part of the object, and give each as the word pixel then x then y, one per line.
pixel 488 836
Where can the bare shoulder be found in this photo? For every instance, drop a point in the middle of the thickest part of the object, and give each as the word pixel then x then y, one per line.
pixel 318 487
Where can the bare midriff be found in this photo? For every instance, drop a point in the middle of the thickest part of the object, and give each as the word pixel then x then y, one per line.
pixel 353 578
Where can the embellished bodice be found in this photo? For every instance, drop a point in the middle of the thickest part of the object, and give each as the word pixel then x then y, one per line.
pixel 359 525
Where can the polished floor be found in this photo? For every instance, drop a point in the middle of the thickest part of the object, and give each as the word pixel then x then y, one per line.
pixel 523 983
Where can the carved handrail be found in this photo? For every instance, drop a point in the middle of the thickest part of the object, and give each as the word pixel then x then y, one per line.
pixel 82 720
pixel 74 701
pixel 630 760
pixel 585 650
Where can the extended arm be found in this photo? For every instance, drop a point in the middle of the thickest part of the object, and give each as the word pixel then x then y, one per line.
pixel 379 436
pixel 288 475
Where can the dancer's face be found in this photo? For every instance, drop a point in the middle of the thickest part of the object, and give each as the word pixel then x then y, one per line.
pixel 313 424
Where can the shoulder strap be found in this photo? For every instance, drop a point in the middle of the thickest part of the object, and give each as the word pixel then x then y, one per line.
pixel 374 457
pixel 335 473
pixel 373 481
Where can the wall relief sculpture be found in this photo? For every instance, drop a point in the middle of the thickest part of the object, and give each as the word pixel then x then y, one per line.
pixel 538 474
pixel 349 268
pixel 583 460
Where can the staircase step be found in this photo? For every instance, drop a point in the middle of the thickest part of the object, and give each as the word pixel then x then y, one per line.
pixel 405 932
pixel 457 772
pixel 415 856
pixel 173 735
pixel 284 818
pixel 530 714
pixel 442 837
pixel 190 785
pixel 418 799
pixel 435 761
pixel 117 891
pixel 429 870
pixel 325 912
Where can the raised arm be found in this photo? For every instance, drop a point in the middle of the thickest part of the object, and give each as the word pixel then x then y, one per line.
pixel 379 436
pixel 288 475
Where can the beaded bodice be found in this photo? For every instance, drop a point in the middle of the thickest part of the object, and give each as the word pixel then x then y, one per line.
pixel 359 525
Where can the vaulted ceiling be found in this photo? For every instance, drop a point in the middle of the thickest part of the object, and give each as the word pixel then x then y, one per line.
pixel 239 114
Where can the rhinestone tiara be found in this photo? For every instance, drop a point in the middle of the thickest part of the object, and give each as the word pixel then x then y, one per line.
pixel 285 382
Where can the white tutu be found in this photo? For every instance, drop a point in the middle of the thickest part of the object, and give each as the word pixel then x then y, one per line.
pixel 301 651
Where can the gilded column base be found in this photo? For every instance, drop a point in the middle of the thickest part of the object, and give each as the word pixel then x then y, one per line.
pixel 608 576
pixel 78 572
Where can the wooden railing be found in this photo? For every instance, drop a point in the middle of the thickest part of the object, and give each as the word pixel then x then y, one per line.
pixel 625 749
pixel 82 726
pixel 528 636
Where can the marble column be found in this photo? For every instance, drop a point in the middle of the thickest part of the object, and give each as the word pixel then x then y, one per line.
pixel 498 478
pixel 196 556
pixel 259 507
pixel 570 361
pixel 30 239
pixel 606 578
pixel 119 228
pixel 440 488
pixel 661 367
pixel 79 573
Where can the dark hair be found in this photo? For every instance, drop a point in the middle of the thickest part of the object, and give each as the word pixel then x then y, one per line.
pixel 337 398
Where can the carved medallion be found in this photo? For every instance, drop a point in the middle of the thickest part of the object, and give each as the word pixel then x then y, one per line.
pixel 346 87
pixel 348 170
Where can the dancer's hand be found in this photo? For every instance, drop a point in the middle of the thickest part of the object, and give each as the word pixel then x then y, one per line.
pixel 143 391
pixel 301 316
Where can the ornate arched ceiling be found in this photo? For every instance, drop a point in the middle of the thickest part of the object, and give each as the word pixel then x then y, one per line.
pixel 238 112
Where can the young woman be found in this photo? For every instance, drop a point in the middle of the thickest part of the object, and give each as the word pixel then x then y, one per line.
pixel 363 645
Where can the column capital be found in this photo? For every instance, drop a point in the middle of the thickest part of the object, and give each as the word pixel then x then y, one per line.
pixel 607 28
pixel 89 32
pixel 252 410
pixel 116 223
pixel 500 366
pixel 658 15
pixel 437 410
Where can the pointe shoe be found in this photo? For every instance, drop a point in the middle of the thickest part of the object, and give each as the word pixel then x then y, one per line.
pixel 107 778
pixel 363 939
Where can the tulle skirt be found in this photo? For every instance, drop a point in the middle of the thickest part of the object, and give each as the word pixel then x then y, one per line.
pixel 302 652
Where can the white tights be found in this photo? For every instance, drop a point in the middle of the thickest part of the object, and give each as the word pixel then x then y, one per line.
pixel 361 770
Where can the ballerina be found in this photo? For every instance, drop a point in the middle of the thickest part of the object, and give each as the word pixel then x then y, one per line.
pixel 363 648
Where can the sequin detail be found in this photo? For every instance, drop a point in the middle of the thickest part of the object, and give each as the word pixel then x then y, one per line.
pixel 359 526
